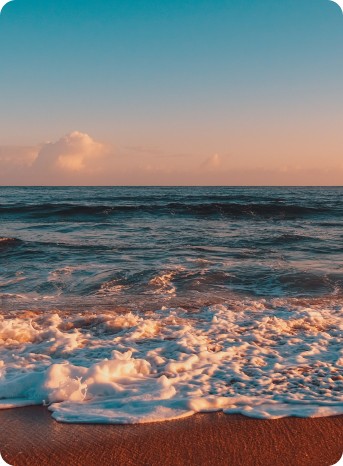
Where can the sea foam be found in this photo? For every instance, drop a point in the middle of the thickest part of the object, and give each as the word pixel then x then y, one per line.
pixel 262 359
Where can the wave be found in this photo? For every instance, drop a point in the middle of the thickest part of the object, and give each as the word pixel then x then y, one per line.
pixel 5 242
pixel 277 210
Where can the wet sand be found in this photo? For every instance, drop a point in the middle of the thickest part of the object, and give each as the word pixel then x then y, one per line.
pixel 30 437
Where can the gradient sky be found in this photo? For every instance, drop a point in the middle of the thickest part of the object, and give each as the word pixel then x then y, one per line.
pixel 171 92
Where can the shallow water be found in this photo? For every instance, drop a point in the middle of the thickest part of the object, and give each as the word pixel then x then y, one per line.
pixel 142 304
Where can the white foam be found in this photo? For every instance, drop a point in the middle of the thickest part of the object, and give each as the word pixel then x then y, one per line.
pixel 264 360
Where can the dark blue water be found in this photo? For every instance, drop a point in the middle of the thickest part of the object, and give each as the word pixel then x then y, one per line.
pixel 103 245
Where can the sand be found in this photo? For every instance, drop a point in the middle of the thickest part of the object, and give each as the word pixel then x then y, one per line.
pixel 29 437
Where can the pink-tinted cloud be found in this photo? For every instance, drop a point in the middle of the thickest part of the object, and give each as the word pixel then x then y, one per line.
pixel 74 153
pixel 13 158
pixel 214 162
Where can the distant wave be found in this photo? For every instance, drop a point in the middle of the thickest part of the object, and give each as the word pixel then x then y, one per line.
pixel 277 210
pixel 251 209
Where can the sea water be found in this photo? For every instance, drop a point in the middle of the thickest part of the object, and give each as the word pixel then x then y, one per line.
pixel 128 305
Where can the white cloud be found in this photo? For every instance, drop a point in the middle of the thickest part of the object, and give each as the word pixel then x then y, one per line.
pixel 74 153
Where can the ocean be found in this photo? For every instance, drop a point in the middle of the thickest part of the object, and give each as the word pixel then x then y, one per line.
pixel 142 304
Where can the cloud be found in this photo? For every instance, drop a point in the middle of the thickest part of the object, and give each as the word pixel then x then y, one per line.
pixel 73 159
pixel 74 153
pixel 212 163
pixel 14 158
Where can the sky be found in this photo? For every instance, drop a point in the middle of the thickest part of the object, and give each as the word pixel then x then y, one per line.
pixel 171 92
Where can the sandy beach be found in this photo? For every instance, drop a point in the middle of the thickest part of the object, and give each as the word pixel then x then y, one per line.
pixel 29 437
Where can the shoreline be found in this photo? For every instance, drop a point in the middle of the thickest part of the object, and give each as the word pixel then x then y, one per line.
pixel 29 437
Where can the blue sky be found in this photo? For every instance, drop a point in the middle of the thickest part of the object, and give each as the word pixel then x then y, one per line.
pixel 169 86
